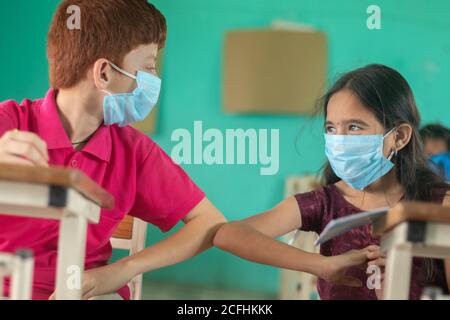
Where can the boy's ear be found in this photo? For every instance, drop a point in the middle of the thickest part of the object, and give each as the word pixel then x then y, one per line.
pixel 102 74
pixel 403 135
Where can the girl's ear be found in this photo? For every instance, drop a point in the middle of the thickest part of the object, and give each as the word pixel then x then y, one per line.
pixel 403 135
pixel 102 74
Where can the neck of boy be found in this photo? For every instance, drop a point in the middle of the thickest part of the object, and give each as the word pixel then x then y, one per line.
pixel 79 112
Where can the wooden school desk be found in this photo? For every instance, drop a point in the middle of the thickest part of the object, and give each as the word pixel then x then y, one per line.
pixel 411 229
pixel 60 194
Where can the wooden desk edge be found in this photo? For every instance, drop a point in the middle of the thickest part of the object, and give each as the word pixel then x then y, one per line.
pixel 59 177
pixel 411 211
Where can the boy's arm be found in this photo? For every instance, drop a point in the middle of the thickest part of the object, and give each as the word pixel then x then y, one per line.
pixel 193 238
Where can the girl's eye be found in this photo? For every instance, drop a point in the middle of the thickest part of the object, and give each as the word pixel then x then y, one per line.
pixel 330 130
pixel 354 128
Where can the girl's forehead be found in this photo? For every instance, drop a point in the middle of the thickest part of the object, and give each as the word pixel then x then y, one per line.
pixel 345 105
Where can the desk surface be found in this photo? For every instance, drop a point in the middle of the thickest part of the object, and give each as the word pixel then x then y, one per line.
pixel 411 211
pixel 60 177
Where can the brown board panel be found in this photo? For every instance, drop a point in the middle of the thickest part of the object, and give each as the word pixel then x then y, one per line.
pixel 274 71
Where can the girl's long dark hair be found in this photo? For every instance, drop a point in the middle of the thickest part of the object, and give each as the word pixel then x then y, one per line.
pixel 388 95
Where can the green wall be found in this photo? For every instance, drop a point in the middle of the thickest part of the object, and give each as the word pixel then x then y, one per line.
pixel 414 39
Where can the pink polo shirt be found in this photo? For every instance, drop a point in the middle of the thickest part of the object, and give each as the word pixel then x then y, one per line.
pixel 143 179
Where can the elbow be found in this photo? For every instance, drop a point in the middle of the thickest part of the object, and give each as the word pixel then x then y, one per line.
pixel 223 236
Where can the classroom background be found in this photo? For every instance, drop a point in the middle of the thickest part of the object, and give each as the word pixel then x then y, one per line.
pixel 414 39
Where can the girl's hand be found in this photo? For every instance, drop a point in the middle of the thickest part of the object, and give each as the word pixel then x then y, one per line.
pixel 378 259
pixel 335 267
pixel 104 280
pixel 24 148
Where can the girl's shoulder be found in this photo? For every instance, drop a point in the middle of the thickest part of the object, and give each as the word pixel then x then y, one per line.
pixel 446 198
pixel 440 195
pixel 324 196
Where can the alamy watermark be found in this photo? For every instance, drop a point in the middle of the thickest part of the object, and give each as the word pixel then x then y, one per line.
pixel 232 147
pixel 374 19
pixel 74 19
pixel 73 277
pixel 374 280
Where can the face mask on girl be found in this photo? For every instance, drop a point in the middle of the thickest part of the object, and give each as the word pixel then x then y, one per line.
pixel 358 159
pixel 127 108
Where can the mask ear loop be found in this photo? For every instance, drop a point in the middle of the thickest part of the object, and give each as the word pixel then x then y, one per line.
pixel 121 71
pixel 132 76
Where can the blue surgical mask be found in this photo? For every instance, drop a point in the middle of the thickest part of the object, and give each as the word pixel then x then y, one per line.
pixel 358 159
pixel 127 108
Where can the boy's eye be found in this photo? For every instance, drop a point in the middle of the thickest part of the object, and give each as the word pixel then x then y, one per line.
pixel 151 69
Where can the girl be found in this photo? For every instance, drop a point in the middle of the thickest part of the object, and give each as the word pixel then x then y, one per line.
pixel 375 160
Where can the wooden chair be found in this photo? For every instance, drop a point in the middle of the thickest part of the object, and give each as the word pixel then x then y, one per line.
pixel 131 235
pixel 299 285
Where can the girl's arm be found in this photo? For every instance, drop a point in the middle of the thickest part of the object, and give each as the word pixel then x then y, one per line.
pixel 253 239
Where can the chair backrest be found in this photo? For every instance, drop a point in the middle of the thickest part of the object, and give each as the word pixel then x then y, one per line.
pixel 299 285
pixel 125 229
pixel 131 235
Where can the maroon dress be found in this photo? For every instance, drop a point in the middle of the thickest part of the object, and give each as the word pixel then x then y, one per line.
pixel 320 207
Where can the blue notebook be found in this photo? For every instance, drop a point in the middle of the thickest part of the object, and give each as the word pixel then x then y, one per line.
pixel 342 225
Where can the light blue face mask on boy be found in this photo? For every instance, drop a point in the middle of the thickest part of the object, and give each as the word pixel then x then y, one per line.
pixel 358 159
pixel 127 108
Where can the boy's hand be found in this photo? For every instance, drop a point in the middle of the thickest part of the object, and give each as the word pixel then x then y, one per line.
pixel 104 280
pixel 22 147
pixel 335 267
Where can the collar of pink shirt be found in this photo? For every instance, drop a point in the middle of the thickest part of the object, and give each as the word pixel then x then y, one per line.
pixel 52 131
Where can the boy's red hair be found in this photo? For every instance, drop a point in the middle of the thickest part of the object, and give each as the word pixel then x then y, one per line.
pixel 109 29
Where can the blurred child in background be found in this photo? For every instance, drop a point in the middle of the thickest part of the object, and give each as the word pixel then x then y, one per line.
pixel 436 140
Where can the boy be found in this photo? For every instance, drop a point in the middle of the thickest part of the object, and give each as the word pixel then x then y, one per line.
pixel 103 78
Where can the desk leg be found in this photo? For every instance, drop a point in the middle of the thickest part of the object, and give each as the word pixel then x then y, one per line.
pixel 2 285
pixel 22 276
pixel 398 273
pixel 71 254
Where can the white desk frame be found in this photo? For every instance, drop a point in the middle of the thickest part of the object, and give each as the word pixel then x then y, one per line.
pixel 59 203
pixel 407 240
